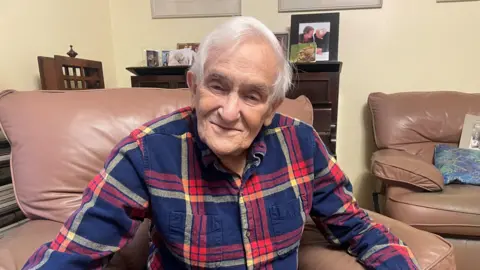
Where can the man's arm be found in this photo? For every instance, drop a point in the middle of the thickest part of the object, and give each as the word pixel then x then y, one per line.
pixel 113 206
pixel 338 216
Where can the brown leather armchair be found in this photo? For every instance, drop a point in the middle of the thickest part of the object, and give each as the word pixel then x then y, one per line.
pixel 61 139
pixel 407 126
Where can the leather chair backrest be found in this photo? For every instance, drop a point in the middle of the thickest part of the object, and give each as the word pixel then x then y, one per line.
pixel 60 140
pixel 417 121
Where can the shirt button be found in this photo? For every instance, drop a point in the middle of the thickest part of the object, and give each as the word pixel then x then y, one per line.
pixel 247 234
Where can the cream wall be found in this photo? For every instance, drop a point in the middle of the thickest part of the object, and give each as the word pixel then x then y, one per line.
pixel 44 28
pixel 407 45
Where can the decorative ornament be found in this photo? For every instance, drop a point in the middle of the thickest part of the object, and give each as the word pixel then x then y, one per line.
pixel 72 53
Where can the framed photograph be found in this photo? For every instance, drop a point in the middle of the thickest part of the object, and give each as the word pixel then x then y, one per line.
pixel 308 5
pixel 165 55
pixel 195 8
pixel 471 132
pixel 314 33
pixel 152 58
pixel 182 57
pixel 193 46
pixel 283 40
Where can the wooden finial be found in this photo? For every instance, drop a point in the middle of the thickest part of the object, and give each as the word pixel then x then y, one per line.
pixel 72 53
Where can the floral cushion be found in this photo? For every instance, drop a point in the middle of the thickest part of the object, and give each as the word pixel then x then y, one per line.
pixel 458 165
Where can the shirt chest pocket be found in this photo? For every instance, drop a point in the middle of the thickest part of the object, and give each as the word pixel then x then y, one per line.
pixel 287 217
pixel 287 221
pixel 199 237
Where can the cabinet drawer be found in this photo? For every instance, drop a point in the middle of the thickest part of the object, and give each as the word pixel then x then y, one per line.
pixel 322 119
pixel 154 84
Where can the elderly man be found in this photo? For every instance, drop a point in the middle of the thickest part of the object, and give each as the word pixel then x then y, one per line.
pixel 228 183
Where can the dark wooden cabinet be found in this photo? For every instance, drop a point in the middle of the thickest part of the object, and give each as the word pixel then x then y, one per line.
pixel 159 77
pixel 66 73
pixel 319 82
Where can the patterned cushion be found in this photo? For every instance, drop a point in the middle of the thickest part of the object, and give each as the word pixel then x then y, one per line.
pixel 458 165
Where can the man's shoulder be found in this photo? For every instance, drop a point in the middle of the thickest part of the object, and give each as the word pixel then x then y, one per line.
pixel 283 122
pixel 175 123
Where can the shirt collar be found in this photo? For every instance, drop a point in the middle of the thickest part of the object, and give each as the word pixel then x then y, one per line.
pixel 257 150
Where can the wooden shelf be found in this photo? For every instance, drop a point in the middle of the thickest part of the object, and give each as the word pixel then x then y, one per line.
pixel 81 78
pixel 326 66
pixel 146 71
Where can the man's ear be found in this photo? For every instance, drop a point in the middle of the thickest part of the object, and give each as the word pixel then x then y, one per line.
pixel 192 86
pixel 272 111
pixel 192 82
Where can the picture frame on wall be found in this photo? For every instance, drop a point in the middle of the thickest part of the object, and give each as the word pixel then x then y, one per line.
pixel 448 1
pixel 195 8
pixel 283 39
pixel 306 5
pixel 314 37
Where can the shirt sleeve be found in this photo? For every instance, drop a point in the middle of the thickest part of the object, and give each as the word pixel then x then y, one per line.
pixel 113 206
pixel 338 216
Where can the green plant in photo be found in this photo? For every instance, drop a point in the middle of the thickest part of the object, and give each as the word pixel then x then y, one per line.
pixel 303 52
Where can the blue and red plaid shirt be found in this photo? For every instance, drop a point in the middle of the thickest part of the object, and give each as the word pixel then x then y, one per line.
pixel 206 217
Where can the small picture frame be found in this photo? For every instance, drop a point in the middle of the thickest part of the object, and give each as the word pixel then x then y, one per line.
pixel 165 55
pixel 318 32
pixel 152 58
pixel 470 138
pixel 283 39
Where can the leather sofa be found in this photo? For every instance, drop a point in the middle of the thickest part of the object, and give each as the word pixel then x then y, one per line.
pixel 407 126
pixel 60 140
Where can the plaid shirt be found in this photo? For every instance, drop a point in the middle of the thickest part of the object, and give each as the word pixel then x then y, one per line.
pixel 205 217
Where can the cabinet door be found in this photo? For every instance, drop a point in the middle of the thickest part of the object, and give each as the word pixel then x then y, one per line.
pixel 150 84
pixel 314 86
pixel 321 88
pixel 181 84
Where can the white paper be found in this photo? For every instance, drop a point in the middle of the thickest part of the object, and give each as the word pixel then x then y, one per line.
pixel 470 138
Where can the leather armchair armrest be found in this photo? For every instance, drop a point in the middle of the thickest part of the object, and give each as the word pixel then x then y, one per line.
pixel 19 243
pixel 399 167
pixel 431 251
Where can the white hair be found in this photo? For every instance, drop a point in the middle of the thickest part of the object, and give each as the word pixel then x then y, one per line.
pixel 235 31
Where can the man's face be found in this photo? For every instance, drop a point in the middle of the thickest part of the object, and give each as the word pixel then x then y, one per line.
pixel 309 34
pixel 232 102
pixel 321 33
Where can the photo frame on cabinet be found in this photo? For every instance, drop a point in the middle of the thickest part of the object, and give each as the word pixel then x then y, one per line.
pixel 152 58
pixel 283 39
pixel 314 37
